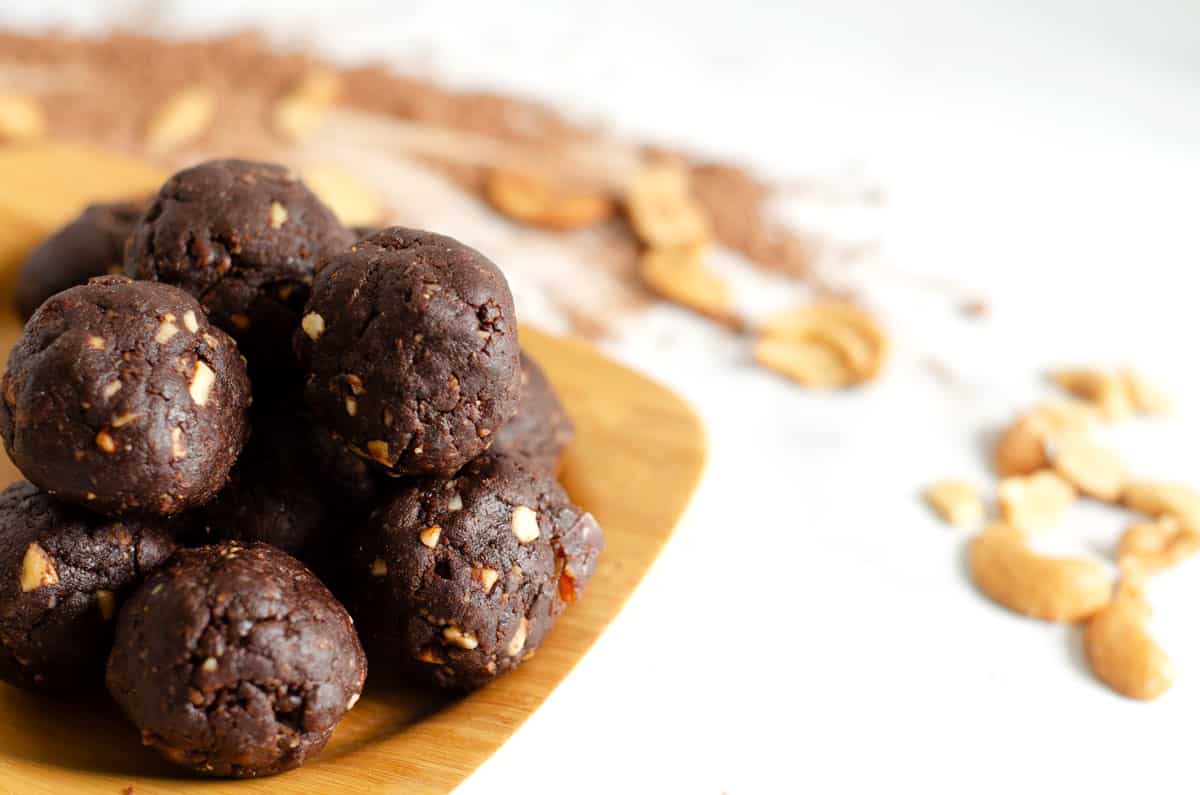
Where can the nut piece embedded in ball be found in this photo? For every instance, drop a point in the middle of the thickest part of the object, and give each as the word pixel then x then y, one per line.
pixel 409 346
pixel 260 664
pixel 244 238
pixel 97 403
pixel 478 601
pixel 63 571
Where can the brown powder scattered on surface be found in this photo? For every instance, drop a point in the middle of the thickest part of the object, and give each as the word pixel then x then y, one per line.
pixel 104 90
pixel 737 203
pixel 380 90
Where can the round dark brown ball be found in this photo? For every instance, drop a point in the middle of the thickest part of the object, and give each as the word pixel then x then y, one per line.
pixel 243 237
pixel 294 487
pixel 91 245
pixel 122 397
pixel 409 345
pixel 235 661
pixel 541 429
pixel 457 580
pixel 63 572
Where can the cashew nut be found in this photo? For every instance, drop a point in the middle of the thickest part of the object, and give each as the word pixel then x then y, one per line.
pixel 1105 391
pixel 1158 544
pixel 1155 498
pixel 1093 470
pixel 1036 502
pixel 1052 589
pixel 1020 450
pixel 1122 653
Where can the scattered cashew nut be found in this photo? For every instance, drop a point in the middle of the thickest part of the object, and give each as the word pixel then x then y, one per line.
pixel 1157 545
pixel 1157 498
pixel 1021 449
pixel 1052 589
pixel 1120 650
pixel 1036 502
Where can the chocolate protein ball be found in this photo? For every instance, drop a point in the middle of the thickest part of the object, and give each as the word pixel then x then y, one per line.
pixel 540 429
pixel 235 661
pixel 63 572
pixel 91 245
pixel 243 237
pixel 457 580
pixel 294 487
pixel 122 397
pixel 409 345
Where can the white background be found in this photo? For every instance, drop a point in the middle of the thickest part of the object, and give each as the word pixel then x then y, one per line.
pixel 811 627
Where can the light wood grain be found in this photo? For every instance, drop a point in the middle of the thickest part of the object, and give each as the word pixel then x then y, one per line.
pixel 635 463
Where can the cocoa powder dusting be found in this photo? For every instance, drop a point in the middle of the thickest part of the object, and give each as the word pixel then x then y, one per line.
pixel 104 91
pixel 737 204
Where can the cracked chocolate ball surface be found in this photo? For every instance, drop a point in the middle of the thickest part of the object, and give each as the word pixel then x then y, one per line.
pixel 457 580
pixel 121 396
pixel 235 661
pixel 63 572
pixel 244 238
pixel 409 346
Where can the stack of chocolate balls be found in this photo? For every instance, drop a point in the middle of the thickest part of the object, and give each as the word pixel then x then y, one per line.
pixel 265 410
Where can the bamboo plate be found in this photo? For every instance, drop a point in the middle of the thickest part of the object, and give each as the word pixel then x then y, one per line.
pixel 635 463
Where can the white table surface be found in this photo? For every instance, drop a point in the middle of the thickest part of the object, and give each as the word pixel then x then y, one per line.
pixel 811 627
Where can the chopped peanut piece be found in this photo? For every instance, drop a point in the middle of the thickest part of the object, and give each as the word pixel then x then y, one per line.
pixel 538 201
pixel 1095 471
pixel 1021 450
pixel 1052 589
pixel 278 215
pixel 203 379
pixel 377 448
pixel 352 201
pixel 429 655
pixel 518 639
pixel 1147 397
pixel 1155 499
pixel 464 640
pixel 37 569
pixel 181 120
pixel 958 503
pixel 847 331
pixel 298 113
pixel 662 210
pixel 430 535
pixel 809 363
pixel 1036 502
pixel 178 445
pixel 1106 392
pixel 21 119
pixel 105 442
pixel 525 524
pixel 1157 545
pixel 487 576
pixel 313 325
pixel 1120 650
pixel 679 275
